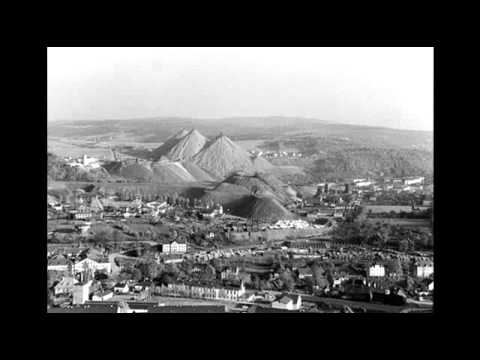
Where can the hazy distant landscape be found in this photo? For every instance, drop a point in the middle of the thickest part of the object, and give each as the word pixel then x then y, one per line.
pixel 331 150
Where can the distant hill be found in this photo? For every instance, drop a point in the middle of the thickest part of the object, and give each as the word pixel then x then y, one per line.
pixel 330 150
pixel 160 129
pixel 370 161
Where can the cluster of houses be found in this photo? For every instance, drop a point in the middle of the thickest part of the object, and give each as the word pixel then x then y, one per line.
pixel 75 266
pixel 84 162
pixel 203 292
pixel 362 185
pixel 276 154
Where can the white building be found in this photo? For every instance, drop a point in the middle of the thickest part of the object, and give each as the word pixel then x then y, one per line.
pixel 102 296
pixel 364 183
pixel 92 265
pixel 84 162
pixel 174 247
pixel 304 273
pixel 424 270
pixel 66 285
pixel 230 274
pixel 121 288
pixel 415 180
pixel 376 271
pixel 203 292
pixel 288 302
pixel 84 265
pixel 81 292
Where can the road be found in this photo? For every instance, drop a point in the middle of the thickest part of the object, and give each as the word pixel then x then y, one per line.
pixel 373 307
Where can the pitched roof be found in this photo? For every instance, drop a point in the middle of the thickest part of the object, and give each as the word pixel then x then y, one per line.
pixel 285 298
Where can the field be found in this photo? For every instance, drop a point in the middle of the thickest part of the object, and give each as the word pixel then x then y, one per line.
pixel 67 148
pixel 250 144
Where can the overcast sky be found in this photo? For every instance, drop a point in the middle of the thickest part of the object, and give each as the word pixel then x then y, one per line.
pixel 390 87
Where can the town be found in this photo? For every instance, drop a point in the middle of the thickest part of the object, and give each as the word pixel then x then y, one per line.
pixel 173 254
pixel 240 180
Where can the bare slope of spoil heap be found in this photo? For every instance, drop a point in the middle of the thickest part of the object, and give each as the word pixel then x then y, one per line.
pixel 131 171
pixel 262 165
pixel 262 184
pixel 222 157
pixel 197 172
pixel 187 146
pixel 226 193
pixel 263 209
pixel 254 184
pixel 165 148
pixel 171 172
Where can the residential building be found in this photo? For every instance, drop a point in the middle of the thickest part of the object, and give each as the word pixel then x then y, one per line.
pixel 304 273
pixel 424 270
pixel 102 296
pixel 81 266
pixel 229 274
pixel 376 270
pixel 82 215
pixel 414 180
pixel 207 292
pixel 288 302
pixel 121 288
pixel 174 247
pixel 81 292
pixel 66 285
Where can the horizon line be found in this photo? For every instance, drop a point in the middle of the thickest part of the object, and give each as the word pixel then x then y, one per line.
pixel 234 117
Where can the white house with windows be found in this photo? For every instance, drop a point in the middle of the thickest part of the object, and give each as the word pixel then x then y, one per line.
pixel 83 265
pixel 174 247
pixel 288 302
pixel 121 288
pixel 424 270
pixel 205 292
pixel 376 270
pixel 414 180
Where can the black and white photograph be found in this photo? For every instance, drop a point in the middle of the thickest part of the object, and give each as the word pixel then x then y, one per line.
pixel 248 179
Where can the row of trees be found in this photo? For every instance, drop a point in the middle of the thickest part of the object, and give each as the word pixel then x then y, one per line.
pixel 382 234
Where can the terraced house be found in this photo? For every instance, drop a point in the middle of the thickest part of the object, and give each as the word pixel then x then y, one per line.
pixel 206 292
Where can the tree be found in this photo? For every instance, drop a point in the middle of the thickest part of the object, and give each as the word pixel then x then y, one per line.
pixel 394 266
pixel 404 245
pixel 288 280
pixel 148 269
pixel 319 275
